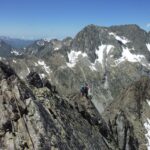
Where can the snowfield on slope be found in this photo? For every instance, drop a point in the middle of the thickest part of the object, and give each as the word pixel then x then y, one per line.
pixel 128 56
pixel 148 101
pixel 103 49
pixel 14 61
pixel 40 43
pixel 56 48
pixel 100 52
pixel 122 39
pixel 28 70
pixel 148 46
pixel 42 75
pixel 42 63
pixel 15 52
pixel 73 57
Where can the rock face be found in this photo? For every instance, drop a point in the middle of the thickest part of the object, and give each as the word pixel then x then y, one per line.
pixel 131 105
pixel 122 132
pixel 35 80
pixel 20 126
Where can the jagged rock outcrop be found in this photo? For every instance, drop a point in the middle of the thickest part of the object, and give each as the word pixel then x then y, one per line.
pixel 21 125
pixel 129 112
pixel 122 132
pixel 35 80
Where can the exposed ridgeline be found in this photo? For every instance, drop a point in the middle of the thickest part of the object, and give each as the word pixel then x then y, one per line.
pixel 36 117
pixel 133 105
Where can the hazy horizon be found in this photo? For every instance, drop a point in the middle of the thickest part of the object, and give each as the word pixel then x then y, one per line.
pixel 60 38
pixel 59 19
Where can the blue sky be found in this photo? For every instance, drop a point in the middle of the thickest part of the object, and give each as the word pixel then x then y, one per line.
pixel 61 18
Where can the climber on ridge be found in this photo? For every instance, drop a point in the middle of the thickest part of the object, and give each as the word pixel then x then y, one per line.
pixel 84 90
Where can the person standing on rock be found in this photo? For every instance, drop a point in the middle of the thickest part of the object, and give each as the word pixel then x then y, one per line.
pixel 82 90
pixel 86 89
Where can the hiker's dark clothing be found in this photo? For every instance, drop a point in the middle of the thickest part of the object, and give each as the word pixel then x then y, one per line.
pixel 82 90
pixel 86 91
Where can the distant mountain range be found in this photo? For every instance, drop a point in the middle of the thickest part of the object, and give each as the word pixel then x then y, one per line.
pixel 15 42
pixel 5 49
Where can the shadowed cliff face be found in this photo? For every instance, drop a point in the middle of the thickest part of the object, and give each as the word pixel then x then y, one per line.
pixel 131 105
pixel 122 132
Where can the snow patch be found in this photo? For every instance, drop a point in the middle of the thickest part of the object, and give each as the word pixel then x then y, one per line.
pixel 15 52
pixel 42 75
pixel 73 57
pixel 128 56
pixel 63 67
pixel 147 127
pixel 92 67
pixel 28 70
pixel 122 39
pixel 100 52
pixel 42 63
pixel 56 48
pixel 14 61
pixel 21 77
pixel 47 39
pixel 2 58
pixel 35 64
pixel 40 43
pixel 148 46
pixel 148 102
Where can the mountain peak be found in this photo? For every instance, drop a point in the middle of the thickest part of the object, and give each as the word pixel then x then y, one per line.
pixel 128 27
